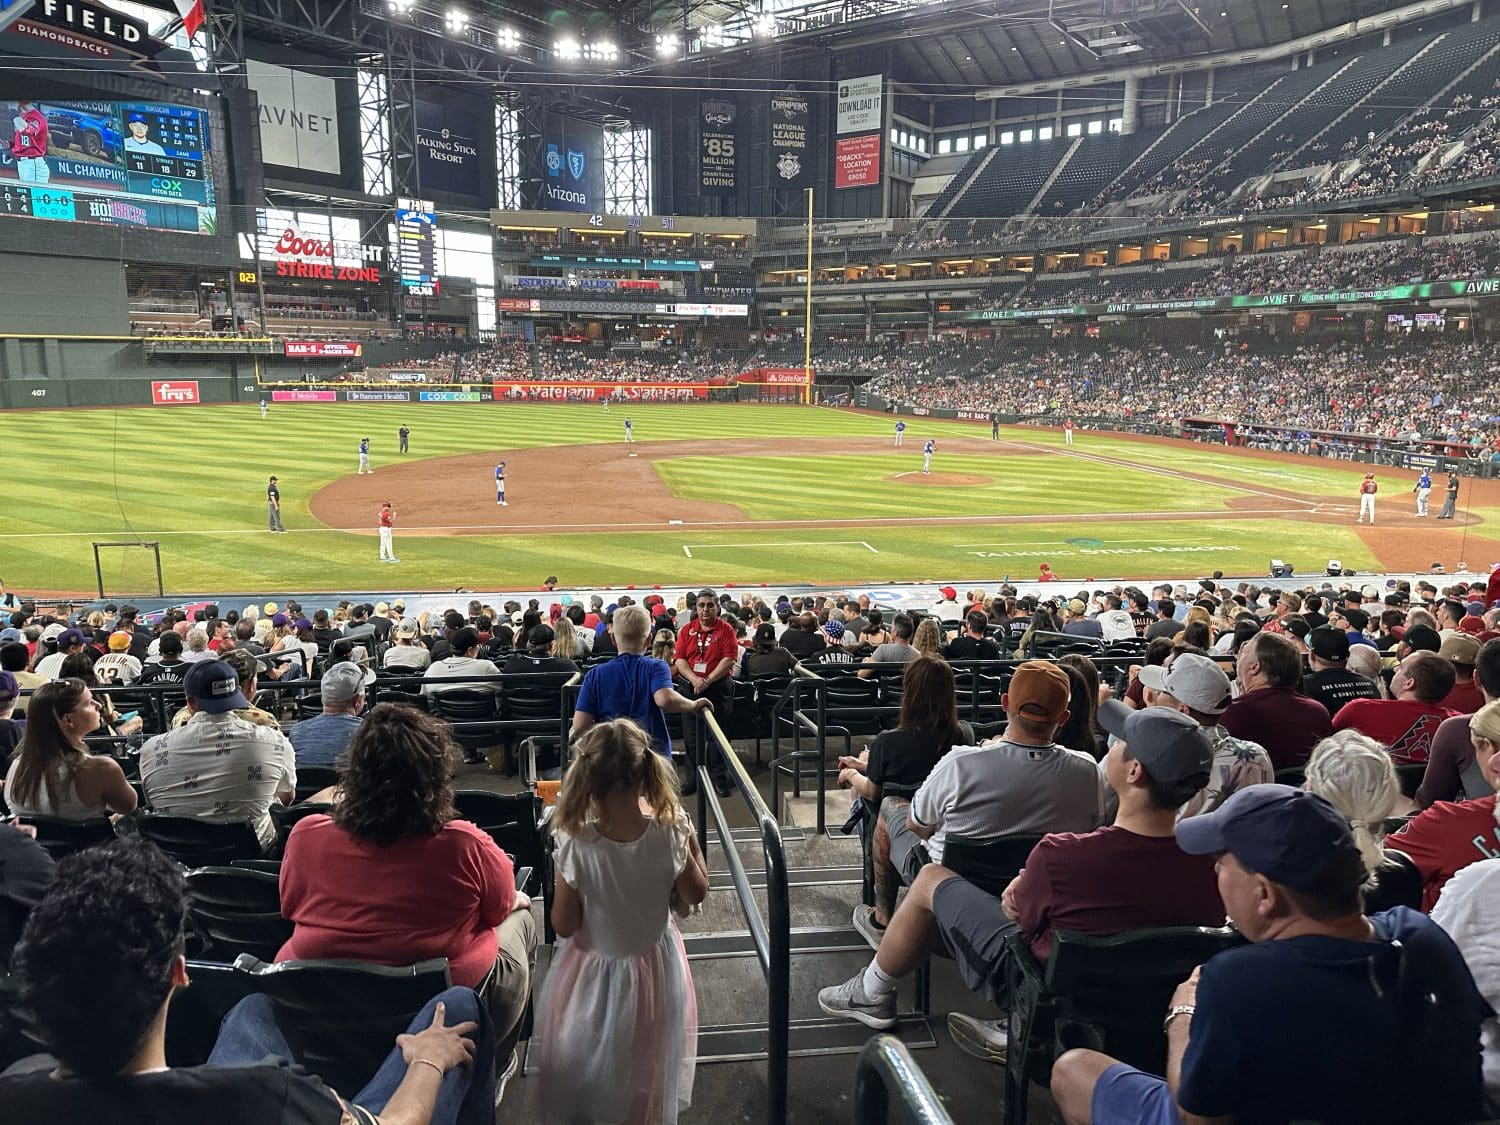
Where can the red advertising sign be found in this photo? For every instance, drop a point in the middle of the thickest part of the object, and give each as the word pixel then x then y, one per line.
pixel 304 396
pixel 324 349
pixel 184 393
pixel 856 161
pixel 593 392
pixel 518 304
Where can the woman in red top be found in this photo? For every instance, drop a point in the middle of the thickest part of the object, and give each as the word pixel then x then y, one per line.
pixel 394 877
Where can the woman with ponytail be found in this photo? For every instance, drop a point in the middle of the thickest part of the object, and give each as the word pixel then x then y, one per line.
pixel 1354 774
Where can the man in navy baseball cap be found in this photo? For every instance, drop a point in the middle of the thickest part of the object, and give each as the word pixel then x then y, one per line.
pixel 1284 1028
pixel 213 686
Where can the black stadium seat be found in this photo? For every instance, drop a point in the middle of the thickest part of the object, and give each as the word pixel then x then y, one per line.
pixel 237 911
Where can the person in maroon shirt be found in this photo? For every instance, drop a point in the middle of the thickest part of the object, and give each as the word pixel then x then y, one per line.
pixel 1270 710
pixel 1407 723
pixel 1130 875
pixel 1462 651
pixel 703 660
pixel 1452 772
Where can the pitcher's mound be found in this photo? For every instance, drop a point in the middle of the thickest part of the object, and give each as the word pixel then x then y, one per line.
pixel 945 480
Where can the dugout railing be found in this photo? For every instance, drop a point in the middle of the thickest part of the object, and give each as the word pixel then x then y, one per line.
pixel 888 1083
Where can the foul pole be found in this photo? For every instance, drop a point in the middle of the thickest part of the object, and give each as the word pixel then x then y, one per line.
pixel 807 325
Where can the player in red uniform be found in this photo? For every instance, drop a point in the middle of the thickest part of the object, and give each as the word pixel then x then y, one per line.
pixel 29 143
pixel 387 526
pixel 1367 490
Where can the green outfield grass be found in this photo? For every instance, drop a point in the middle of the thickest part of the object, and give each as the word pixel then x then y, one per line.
pixel 194 479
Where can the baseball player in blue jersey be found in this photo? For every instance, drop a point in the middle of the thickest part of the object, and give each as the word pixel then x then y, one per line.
pixel 900 433
pixel 364 456
pixel 500 485
pixel 927 457
pixel 1423 489
pixel 629 436
pixel 264 409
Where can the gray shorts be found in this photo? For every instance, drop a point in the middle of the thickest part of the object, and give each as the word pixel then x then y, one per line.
pixel 974 929
pixel 908 850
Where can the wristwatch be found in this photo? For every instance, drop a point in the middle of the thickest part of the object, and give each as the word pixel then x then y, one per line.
pixel 1175 1011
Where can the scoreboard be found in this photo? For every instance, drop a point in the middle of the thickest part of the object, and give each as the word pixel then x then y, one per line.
pixel 125 163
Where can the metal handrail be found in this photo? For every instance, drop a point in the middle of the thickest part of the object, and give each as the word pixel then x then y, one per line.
pixel 886 1068
pixel 772 935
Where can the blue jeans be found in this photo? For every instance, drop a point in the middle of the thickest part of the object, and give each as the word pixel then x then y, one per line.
pixel 466 1096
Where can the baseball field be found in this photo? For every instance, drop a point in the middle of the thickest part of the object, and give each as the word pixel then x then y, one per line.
pixel 713 494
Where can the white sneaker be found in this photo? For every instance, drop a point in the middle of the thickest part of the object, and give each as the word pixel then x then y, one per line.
pixel 984 1039
pixel 864 922
pixel 849 1001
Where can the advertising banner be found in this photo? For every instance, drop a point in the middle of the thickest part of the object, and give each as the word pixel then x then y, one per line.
pixel 856 161
pixel 299 117
pixel 183 393
pixel 377 396
pixel 791 152
pixel 592 392
pixel 717 135
pixel 447 396
pixel 324 349
pixel 772 375
pixel 1413 291
pixel 573 172
pixel 859 105
pixel 304 396
pixel 518 304
pixel 448 149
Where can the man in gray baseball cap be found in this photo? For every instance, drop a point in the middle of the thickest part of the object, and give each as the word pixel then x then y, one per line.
pixel 320 740
pixel 1129 876
pixel 1198 687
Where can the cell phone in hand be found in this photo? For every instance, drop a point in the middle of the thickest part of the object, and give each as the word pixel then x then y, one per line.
pixel 523 878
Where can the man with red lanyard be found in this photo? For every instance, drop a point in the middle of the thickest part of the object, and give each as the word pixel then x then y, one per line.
pixel 703 660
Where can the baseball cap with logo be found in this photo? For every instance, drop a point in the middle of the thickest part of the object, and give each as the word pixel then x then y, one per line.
pixel 70 637
pixel 119 642
pixel 1191 679
pixel 1040 689
pixel 1460 648
pixel 278 620
pixel 1288 835
pixel 1171 745
pixel 341 683
pixel 1422 638
pixel 407 628
pixel 765 634
pixel 214 686
pixel 1330 644
pixel 539 636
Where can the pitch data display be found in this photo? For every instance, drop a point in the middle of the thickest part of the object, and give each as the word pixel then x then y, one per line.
pixel 126 163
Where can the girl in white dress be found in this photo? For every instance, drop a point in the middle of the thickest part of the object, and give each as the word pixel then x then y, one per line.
pixel 619 1019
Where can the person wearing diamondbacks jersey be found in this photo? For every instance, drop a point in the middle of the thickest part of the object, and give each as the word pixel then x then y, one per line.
pixel 500 485
pixel 1367 490
pixel 387 532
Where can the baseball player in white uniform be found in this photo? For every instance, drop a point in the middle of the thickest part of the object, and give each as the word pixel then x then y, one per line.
pixel 927 457
pixel 1367 490
pixel 264 408
pixel 387 546
pixel 364 456
pixel 500 485
pixel 900 433
pixel 629 433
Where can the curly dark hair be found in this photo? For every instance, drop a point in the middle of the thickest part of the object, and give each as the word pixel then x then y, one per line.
pixel 398 776
pixel 96 957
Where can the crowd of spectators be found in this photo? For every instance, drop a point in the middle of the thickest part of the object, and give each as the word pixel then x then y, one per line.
pixel 1428 387
pixel 1154 797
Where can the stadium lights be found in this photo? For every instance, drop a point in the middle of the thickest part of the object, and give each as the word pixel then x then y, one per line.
pixel 508 38
pixel 711 36
pixel 667 45
pixel 764 26
pixel 456 21
pixel 601 51
pixel 402 7
pixel 567 49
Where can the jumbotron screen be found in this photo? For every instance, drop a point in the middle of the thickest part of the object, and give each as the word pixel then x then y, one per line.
pixel 126 163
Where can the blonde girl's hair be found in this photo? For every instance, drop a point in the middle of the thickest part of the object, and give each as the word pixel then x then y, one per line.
pixel 663 645
pixel 928 639
pixel 1486 723
pixel 610 758
pixel 565 640
pixel 1198 613
pixel 1353 773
